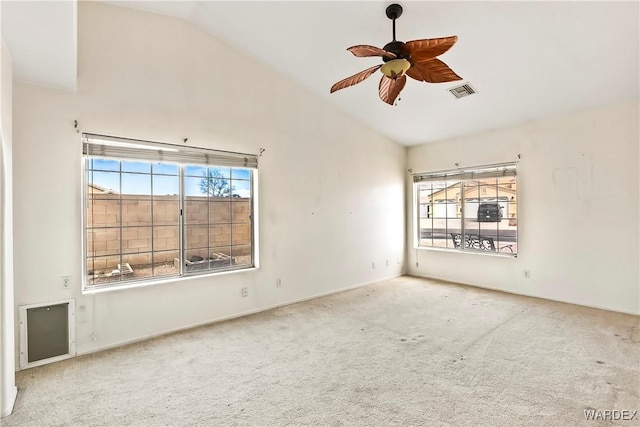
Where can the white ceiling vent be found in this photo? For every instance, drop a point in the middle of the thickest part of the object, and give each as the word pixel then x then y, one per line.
pixel 462 90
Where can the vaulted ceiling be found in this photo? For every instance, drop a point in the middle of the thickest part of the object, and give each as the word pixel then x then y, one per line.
pixel 526 60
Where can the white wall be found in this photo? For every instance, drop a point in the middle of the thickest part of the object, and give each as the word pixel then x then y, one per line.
pixel 578 228
pixel 7 376
pixel 331 191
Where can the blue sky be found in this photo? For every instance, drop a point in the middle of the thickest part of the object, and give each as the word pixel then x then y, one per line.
pixel 137 177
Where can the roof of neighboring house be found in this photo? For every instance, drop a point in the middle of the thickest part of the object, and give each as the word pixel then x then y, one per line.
pixel 452 192
pixel 93 189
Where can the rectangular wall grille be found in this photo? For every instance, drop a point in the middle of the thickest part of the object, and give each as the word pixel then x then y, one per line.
pixel 47 333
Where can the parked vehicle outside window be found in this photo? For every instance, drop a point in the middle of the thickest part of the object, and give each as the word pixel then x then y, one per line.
pixel 489 212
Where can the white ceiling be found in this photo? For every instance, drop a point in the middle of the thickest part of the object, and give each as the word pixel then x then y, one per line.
pixel 526 59
pixel 42 39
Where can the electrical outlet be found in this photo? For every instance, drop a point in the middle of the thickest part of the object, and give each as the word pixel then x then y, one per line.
pixel 65 282
pixel 398 261
pixel 387 263
pixel 245 292
pixel 527 274
pixel 94 337
pixel 278 283
pixel 373 264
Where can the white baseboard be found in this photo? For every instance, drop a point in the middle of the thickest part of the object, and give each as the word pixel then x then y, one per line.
pixel 233 316
pixel 9 400
pixel 524 294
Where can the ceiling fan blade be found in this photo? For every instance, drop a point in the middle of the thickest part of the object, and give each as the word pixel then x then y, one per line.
pixel 355 79
pixel 432 71
pixel 389 88
pixel 366 50
pixel 423 50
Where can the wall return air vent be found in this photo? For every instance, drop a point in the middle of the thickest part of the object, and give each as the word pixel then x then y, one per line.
pixel 47 332
pixel 462 90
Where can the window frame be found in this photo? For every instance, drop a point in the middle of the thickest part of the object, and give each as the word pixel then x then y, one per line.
pixel 182 273
pixel 463 176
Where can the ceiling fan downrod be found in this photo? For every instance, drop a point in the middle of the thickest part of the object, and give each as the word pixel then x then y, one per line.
pixel 394 11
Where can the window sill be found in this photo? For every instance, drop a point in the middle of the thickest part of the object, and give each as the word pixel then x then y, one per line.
pixel 161 281
pixel 472 252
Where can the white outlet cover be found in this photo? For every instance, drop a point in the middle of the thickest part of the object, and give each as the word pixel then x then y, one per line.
pixel 65 282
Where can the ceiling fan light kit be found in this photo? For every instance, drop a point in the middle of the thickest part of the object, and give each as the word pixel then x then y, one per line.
pixel 416 59
pixel 395 67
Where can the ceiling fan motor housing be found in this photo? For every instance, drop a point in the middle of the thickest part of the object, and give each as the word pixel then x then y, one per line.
pixel 396 47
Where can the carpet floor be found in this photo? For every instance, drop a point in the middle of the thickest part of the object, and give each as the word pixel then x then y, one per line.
pixel 406 351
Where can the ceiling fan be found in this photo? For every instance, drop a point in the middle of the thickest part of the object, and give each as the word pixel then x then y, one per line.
pixel 416 59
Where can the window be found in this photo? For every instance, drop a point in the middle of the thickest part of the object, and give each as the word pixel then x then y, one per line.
pixel 468 210
pixel 159 210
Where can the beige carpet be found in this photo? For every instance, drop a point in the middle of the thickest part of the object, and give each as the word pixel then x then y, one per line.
pixel 402 352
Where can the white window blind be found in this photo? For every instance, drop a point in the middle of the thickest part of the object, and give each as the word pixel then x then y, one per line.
pixel 493 171
pixel 123 148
